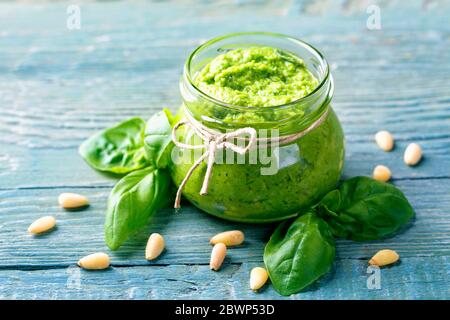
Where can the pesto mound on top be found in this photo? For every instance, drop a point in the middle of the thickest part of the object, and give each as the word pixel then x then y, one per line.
pixel 256 77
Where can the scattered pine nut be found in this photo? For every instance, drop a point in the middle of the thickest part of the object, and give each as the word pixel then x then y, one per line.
pixel 218 254
pixel 413 154
pixel 384 140
pixel 228 238
pixel 72 200
pixel 95 261
pixel 381 173
pixel 42 225
pixel 155 245
pixel 258 277
pixel 384 257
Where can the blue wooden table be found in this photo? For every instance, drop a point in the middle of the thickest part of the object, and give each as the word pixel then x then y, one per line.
pixel 59 85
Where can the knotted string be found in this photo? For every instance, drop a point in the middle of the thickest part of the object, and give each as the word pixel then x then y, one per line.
pixel 215 140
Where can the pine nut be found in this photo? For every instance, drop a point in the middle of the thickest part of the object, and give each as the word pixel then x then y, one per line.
pixel 72 200
pixel 42 225
pixel 228 238
pixel 384 257
pixel 218 254
pixel 155 245
pixel 95 261
pixel 384 140
pixel 258 277
pixel 413 154
pixel 381 173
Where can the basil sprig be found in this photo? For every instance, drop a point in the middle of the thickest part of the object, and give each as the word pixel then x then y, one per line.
pixel 365 209
pixel 133 200
pixel 298 253
pixel 119 149
pixel 301 251
pixel 141 150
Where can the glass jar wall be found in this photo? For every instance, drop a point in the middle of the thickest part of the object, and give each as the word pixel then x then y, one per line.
pixel 305 168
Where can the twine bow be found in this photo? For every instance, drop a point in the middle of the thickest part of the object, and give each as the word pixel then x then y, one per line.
pixel 214 140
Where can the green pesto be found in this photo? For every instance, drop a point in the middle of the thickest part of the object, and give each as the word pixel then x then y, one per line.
pixel 258 77
pixel 308 167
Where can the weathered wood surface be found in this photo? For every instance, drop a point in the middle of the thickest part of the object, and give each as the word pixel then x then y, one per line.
pixel 348 280
pixel 58 86
pixel 187 233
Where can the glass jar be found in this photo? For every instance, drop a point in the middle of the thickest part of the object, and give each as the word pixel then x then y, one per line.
pixel 306 168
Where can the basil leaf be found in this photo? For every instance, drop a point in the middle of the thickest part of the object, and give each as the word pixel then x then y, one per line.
pixel 365 209
pixel 298 253
pixel 173 119
pixel 118 149
pixel 132 202
pixel 158 138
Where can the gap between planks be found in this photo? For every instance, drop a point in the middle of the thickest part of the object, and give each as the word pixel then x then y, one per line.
pixel 163 265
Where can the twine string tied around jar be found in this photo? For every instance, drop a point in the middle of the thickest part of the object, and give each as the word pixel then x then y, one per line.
pixel 215 140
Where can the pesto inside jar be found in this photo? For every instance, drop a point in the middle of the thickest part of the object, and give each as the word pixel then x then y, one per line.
pixel 257 77
pixel 260 78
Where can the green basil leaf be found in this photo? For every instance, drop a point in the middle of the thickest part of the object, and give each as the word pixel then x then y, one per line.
pixel 158 138
pixel 298 253
pixel 365 209
pixel 173 119
pixel 118 149
pixel 132 202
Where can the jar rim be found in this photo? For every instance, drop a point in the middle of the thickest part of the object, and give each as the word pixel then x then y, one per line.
pixel 306 98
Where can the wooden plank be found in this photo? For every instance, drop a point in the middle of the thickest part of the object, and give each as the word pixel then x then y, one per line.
pixel 411 279
pixel 187 233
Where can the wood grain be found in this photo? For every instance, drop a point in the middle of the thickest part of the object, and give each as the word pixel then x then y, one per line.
pixel 198 282
pixel 58 86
